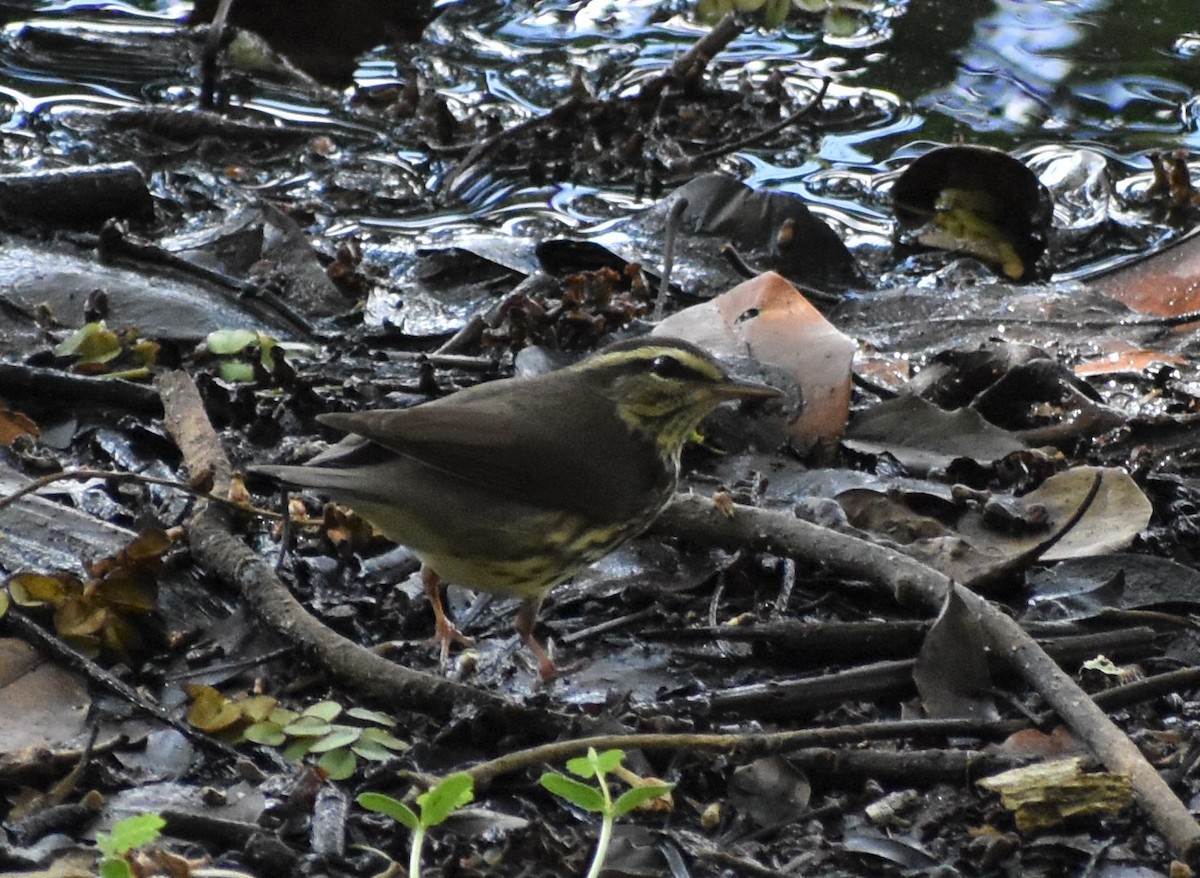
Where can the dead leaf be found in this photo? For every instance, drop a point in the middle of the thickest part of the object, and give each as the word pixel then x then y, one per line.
pixel 15 424
pixel 41 705
pixel 951 673
pixel 768 318
pixel 769 790
pixel 924 437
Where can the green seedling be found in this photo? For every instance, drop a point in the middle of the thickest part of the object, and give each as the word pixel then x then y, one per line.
pixel 127 836
pixel 598 798
pixel 435 806
pixel 240 351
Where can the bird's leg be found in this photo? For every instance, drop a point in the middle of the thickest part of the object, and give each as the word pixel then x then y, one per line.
pixel 444 630
pixel 526 616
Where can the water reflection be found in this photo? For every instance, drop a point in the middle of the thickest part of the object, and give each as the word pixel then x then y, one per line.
pixel 1012 72
pixel 996 71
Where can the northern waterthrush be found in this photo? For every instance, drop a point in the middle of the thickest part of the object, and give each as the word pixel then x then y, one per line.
pixel 512 486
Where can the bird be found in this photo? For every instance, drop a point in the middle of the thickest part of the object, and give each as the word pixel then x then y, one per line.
pixel 514 485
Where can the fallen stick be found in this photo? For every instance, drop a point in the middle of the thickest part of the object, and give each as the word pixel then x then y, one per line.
pixel 913 583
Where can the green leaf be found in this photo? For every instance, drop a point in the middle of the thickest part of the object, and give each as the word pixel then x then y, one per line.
pixel 450 794
pixel 630 799
pixel 298 749
pixel 340 736
pixel 91 343
pixel 840 22
pixel 372 716
pixel 113 868
pixel 131 832
pixel 581 766
pixel 710 11
pixel 593 763
pixel 384 738
pixel 236 372
pixel 226 342
pixel 579 794
pixel 776 13
pixel 606 761
pixel 282 716
pixel 367 749
pixel 3 603
pixel 306 726
pixel 326 710
pixel 338 764
pixel 265 732
pixel 394 808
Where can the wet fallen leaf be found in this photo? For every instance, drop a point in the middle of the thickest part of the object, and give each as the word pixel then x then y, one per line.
pixel 769 790
pixel 1082 588
pixel 768 318
pixel 951 673
pixel 41 705
pixel 924 437
pixel 14 424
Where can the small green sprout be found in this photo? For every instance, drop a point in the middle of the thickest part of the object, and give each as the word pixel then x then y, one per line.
pixel 448 796
pixel 598 798
pixel 127 835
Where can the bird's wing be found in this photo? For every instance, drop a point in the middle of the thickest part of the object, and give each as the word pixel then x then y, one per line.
pixel 460 435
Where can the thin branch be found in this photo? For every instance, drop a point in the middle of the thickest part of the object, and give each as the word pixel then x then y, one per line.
pixel 914 583
pixel 86 475
pixel 744 745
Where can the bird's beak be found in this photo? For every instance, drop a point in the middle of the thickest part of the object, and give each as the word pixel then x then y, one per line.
pixel 738 388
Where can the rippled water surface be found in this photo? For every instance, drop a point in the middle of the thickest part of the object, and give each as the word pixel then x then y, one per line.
pixel 1037 76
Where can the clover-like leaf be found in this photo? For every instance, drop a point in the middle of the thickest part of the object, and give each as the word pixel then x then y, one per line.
pixel 265 732
pixel 297 749
pixel 338 764
pixel 339 736
pixel 378 717
pixel 259 708
pixel 283 716
pixel 326 710
pixel 384 738
pixel 308 726
pixel 210 711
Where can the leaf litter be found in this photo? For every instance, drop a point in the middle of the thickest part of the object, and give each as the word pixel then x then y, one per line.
pixel 976 482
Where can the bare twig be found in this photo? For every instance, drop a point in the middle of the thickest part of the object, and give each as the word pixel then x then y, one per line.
pixel 912 582
pixel 692 63
pixel 87 475
pixel 670 236
pixel 763 134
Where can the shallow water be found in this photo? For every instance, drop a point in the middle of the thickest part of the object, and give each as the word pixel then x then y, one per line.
pixel 1038 77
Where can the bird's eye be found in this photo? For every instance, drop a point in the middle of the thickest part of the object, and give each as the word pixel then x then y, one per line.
pixel 667 367
pixel 664 366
